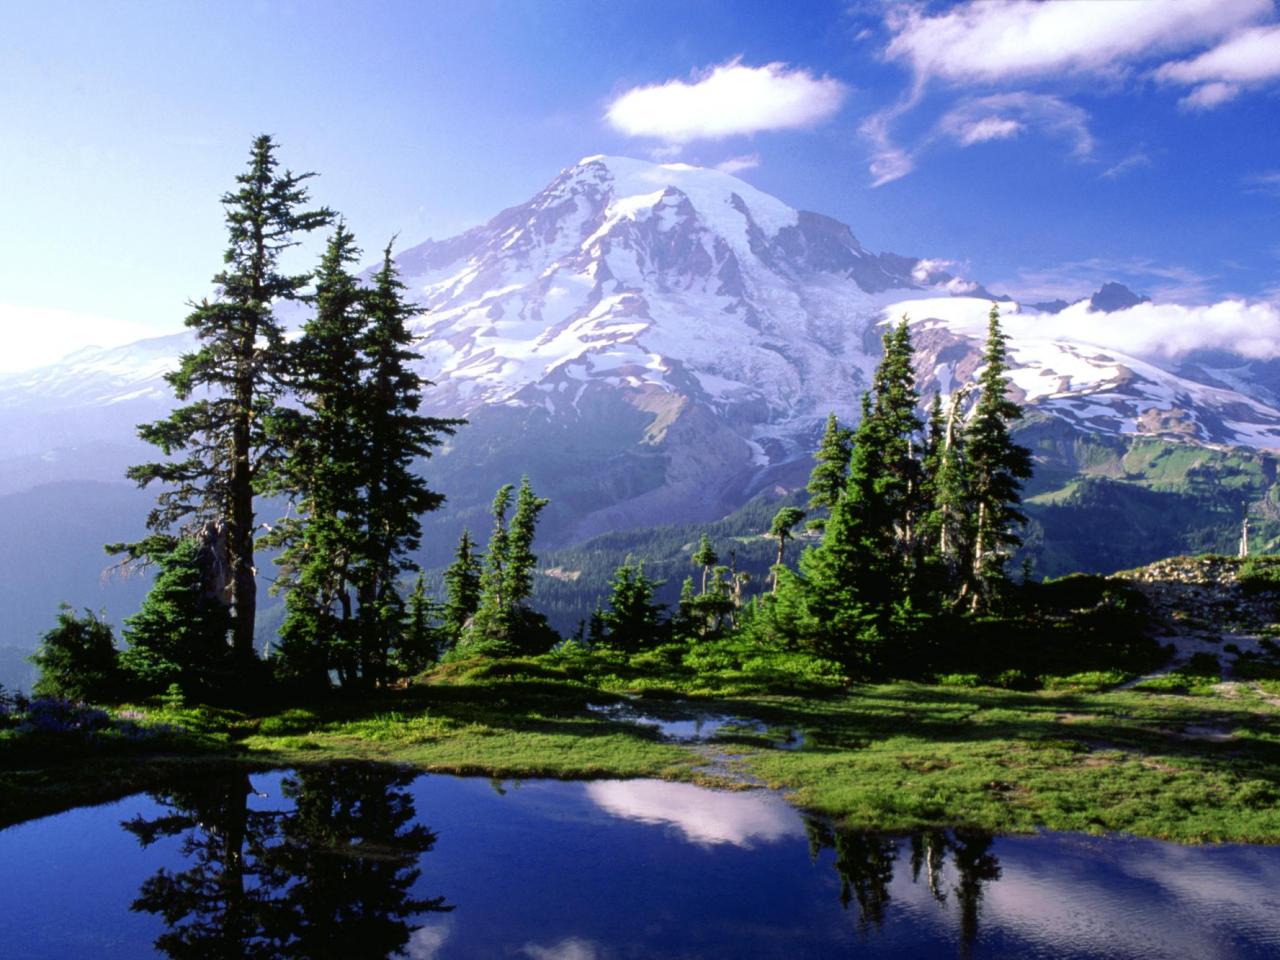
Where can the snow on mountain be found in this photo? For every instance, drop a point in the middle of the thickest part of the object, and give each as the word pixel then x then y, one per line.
pixel 696 298
pixel 1095 388
pixel 657 279
pixel 94 376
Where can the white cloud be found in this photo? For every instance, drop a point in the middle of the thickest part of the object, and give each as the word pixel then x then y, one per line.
pixel 1209 95
pixel 889 162
pixel 703 816
pixel 990 128
pixel 992 42
pixel 1267 182
pixel 1132 162
pixel 738 164
pixel 1005 115
pixel 1250 58
pixel 38 335
pixel 1148 331
pixel 726 101
pixel 428 940
pixel 571 948
pixel 927 268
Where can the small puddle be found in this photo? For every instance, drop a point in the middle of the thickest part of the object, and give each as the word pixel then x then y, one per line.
pixel 698 726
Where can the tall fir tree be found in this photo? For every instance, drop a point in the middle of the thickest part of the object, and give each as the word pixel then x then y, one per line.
pixel 462 589
pixel 396 436
pixel 830 469
pixel 845 581
pixel 996 467
pixel 857 583
pixel 323 473
pixel 503 622
pixel 895 438
pixel 235 379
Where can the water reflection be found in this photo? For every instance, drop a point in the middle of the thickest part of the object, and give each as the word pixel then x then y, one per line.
pixel 332 862
pixel 330 877
pixel 704 817
pixel 865 863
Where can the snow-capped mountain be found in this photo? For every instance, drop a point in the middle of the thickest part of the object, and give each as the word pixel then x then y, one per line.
pixel 668 282
pixel 686 327
pixel 650 343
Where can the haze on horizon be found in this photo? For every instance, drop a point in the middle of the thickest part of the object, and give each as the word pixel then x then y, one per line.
pixel 1041 147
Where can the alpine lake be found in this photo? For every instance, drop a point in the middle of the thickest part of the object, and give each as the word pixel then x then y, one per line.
pixel 366 860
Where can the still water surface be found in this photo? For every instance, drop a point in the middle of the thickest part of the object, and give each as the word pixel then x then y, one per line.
pixel 358 861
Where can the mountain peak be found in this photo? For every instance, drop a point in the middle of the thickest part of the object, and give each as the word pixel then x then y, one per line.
pixel 637 182
pixel 1113 297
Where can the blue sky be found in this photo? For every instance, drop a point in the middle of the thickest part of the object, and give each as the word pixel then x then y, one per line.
pixel 1041 147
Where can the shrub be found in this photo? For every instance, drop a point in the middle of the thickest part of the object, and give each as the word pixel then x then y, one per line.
pixel 1259 575
pixel 77 659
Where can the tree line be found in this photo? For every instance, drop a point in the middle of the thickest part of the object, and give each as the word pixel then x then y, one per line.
pixel 916 520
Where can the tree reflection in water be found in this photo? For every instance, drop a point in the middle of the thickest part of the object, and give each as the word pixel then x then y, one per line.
pixel 865 864
pixel 331 877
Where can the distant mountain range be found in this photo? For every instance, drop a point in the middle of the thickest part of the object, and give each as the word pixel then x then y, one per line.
pixel 660 343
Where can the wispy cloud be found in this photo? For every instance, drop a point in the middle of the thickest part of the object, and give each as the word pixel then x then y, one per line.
pixel 428 940
pixel 727 100
pixel 1037 43
pixel 1133 161
pixel 571 948
pixel 990 42
pixel 738 164
pixel 1249 58
pixel 1075 279
pixel 1266 182
pixel 889 161
pixel 1005 115
pixel 1209 95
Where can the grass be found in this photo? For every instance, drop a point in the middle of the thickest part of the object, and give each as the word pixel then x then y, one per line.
pixel 1180 761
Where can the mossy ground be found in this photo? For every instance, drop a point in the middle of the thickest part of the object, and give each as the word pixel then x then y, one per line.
pixel 1188 760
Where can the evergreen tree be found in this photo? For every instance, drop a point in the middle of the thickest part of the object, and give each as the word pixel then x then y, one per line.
pixel 706 558
pixel 503 622
pixel 996 467
pixel 896 428
pixel 930 466
pixel 491 624
pixel 847 581
pixel 830 469
pixel 179 635
pixel 235 374
pixel 784 521
pixel 951 517
pixel 713 608
pixel 684 625
pixel 323 473
pixel 396 435
pixel 633 620
pixel 521 560
pixel 596 627
pixel 419 644
pixel 77 659
pixel 462 589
